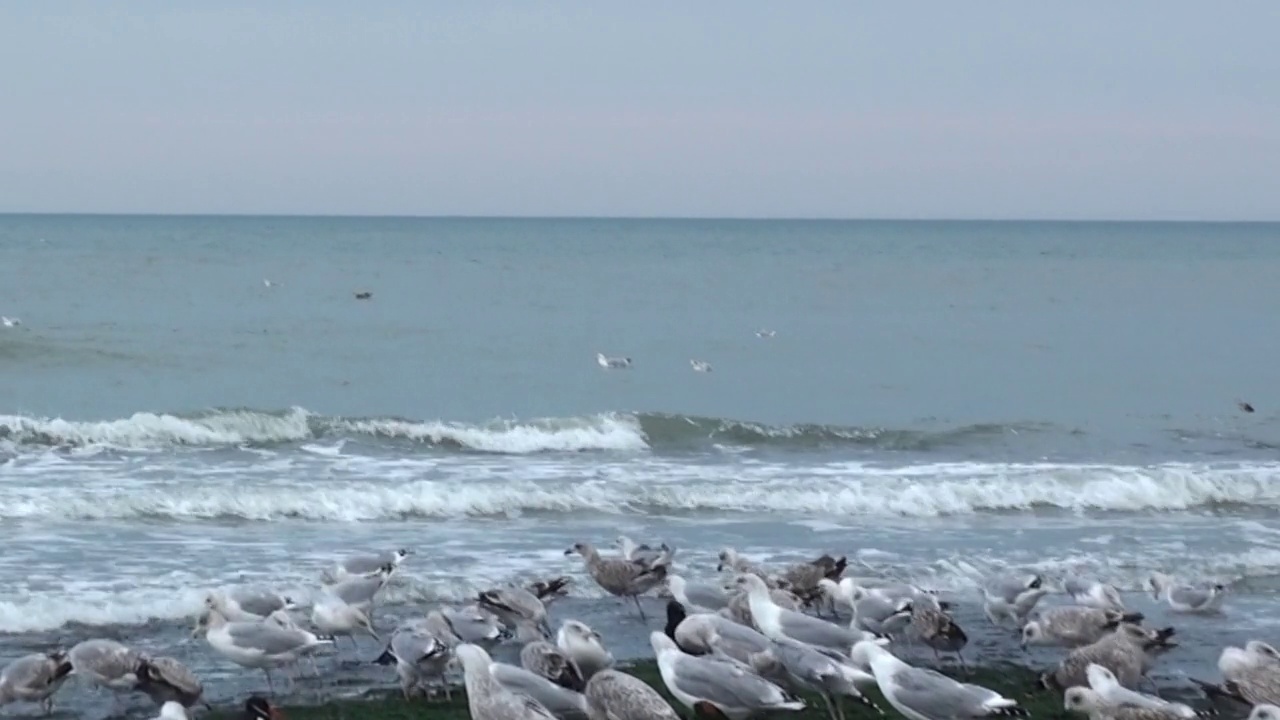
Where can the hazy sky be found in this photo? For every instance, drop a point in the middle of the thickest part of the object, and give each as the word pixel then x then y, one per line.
pixel 1081 109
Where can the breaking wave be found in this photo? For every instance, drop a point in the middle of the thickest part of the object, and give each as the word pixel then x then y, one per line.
pixel 601 432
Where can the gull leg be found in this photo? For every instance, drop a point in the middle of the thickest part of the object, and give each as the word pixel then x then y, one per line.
pixel 636 598
pixel 831 711
pixel 270 687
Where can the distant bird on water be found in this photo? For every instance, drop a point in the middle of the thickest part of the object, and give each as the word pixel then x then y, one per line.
pixel 10 322
pixel 364 295
pixel 700 365
pixel 1245 406
pixel 611 363
pixel 762 333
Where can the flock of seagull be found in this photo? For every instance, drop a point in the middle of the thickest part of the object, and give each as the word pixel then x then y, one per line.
pixel 744 645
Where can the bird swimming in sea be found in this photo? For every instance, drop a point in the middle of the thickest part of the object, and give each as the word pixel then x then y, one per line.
pixel 700 366
pixel 762 333
pixel 612 363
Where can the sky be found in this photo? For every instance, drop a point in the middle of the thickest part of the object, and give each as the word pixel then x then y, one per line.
pixel 1005 109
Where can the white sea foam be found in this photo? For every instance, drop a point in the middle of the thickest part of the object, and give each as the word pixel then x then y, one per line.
pixel 344 488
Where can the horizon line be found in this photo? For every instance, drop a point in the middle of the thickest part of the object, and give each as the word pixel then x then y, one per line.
pixel 679 218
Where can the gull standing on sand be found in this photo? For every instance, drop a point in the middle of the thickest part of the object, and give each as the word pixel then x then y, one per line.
pixel 1185 598
pixel 612 363
pixel 1104 682
pixel 780 624
pixel 618 696
pixel 261 645
pixel 34 678
pixel 584 646
pixel 486 697
pixel 418 656
pixel 1073 626
pixel 701 366
pixel 736 692
pixel 622 577
pixel 921 694
pixel 1092 593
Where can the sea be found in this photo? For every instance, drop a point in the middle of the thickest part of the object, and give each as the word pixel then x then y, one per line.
pixel 191 403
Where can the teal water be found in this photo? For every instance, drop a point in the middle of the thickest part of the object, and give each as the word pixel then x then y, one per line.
pixel 940 400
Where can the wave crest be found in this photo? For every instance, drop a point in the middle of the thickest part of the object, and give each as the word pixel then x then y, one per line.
pixel 624 432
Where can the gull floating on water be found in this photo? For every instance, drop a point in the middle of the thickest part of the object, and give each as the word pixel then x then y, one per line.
pixel 1185 598
pixel 700 366
pixel 9 322
pixel 610 363
pixel 762 333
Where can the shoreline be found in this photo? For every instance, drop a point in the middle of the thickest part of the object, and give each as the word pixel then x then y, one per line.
pixel 1010 679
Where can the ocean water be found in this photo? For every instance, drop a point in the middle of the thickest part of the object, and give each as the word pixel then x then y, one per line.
pixel 940 401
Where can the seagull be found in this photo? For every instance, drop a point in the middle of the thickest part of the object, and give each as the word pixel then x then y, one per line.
pixel 267 283
pixel 762 333
pixel 700 365
pixel 612 363
pixel 10 322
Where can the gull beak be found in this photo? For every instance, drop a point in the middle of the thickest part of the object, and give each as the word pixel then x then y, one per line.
pixel 569 551
pixel 720 567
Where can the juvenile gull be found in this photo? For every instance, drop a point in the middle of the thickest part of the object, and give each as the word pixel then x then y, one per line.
pixel 921 694
pixel 621 577
pixel 584 646
pixel 1087 701
pixel 34 678
pixel 1092 593
pixel 937 630
pixel 261 645
pixel 1073 626
pixel 1184 598
pixel 418 656
pixel 1250 674
pixel 486 697
pixel 698 595
pixel 734 691
pixel 560 701
pixel 165 679
pixel 550 662
pixel 614 695
pixel 1104 683
pixel 549 590
pixel 1123 652
pixel 779 624
pixel 612 363
pixel 363 565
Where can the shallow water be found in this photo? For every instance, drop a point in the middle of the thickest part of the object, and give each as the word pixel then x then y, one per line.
pixel 941 401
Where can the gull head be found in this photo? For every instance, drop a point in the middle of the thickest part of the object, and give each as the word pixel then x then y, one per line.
pixel 1033 634
pixel 472 657
pixel 260 708
pixel 752 583
pixel 580 548
pixel 661 643
pixel 1082 700
pixel 864 651
pixel 1265 711
pixel 403 553
pixel 1260 649
pixel 728 558
pixel 202 625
